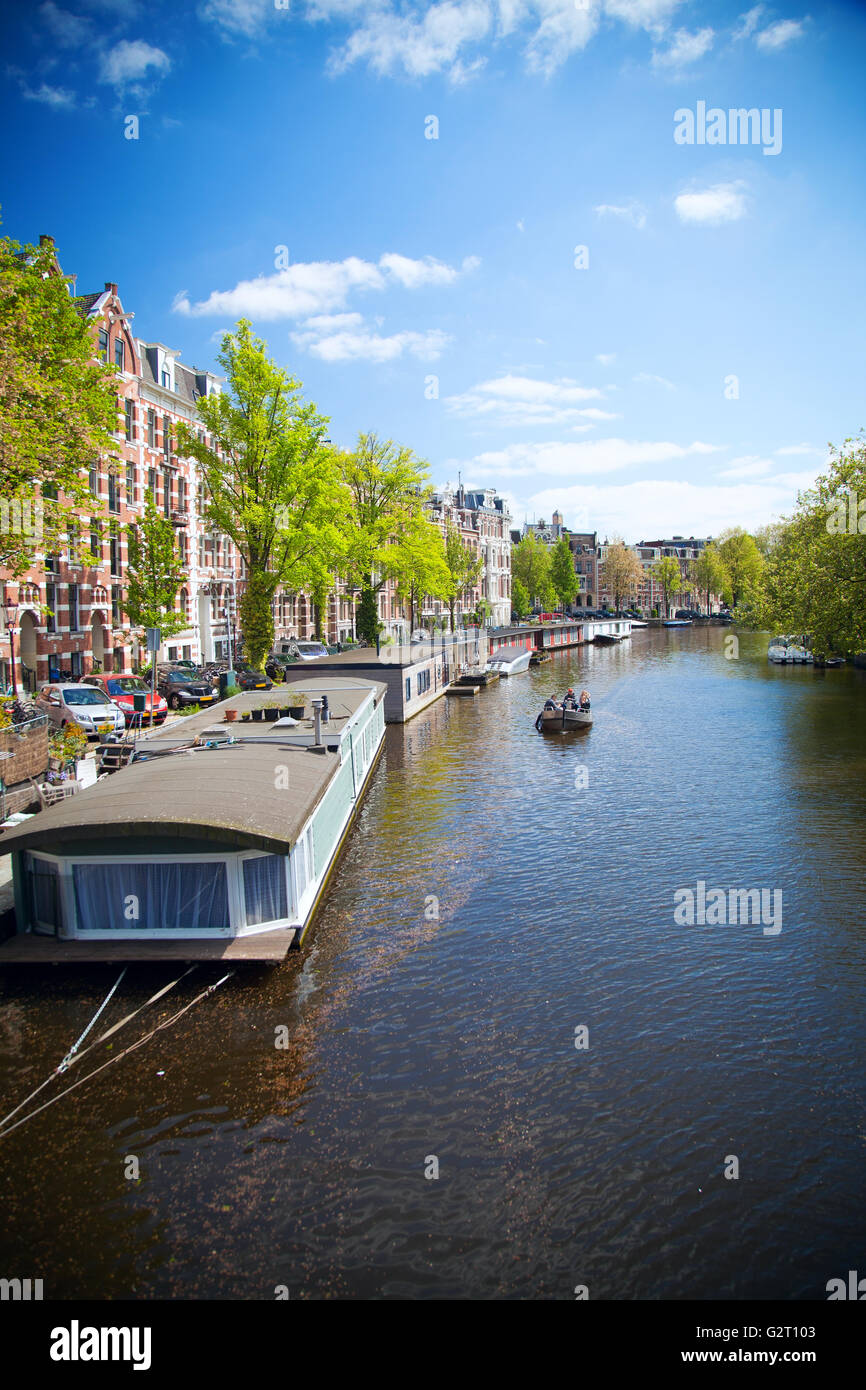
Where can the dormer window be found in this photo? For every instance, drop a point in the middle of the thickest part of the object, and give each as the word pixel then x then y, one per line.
pixel 166 379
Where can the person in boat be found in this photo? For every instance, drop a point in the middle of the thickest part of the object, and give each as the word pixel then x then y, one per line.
pixel 584 699
pixel 569 701
pixel 550 703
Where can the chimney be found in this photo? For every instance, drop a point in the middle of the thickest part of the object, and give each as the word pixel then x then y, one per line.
pixel 110 286
pixel 45 239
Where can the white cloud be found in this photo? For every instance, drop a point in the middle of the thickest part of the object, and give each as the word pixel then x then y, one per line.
pixel 777 35
pixel 748 466
pixel 48 96
pixel 413 274
pixel 651 15
pixel 521 400
pixel 605 358
pixel 237 17
pixel 796 449
pixel 315 287
pixel 416 43
pixel 749 22
pixel 347 338
pixel 649 379
pixel 520 226
pixel 633 212
pixel 68 30
pixel 685 48
pixel 565 459
pixel 129 61
pixel 652 507
pixel 724 202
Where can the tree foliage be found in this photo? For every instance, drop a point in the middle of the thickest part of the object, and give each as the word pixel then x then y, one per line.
pixel 464 567
pixel 271 482
pixel 57 405
pixel 562 573
pixel 154 574
pixel 709 574
pixel 814 579
pixel 743 564
pixel 530 564
pixel 621 572
pixel 519 599
pixel 667 574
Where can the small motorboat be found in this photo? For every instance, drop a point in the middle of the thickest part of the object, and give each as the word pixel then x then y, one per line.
pixel 509 660
pixel 778 651
pixel 539 658
pixel 678 622
pixel 554 721
pixel 607 639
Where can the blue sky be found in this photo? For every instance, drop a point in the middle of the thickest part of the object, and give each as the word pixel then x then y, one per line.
pixel 683 373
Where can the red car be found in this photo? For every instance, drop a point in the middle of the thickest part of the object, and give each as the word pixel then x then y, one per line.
pixel 121 688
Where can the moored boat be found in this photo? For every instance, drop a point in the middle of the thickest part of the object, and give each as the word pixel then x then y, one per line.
pixel 778 651
pixel 508 661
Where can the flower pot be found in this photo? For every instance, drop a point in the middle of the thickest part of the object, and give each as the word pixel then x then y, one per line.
pixel 231 715
pixel 286 713
pixel 296 711
pixel 257 715
pixel 271 713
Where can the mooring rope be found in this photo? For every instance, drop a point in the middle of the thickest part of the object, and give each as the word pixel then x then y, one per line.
pixel 75 1046
pixel 166 1023
pixel 71 1058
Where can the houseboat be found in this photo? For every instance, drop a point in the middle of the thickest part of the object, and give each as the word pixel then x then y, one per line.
pixel 216 841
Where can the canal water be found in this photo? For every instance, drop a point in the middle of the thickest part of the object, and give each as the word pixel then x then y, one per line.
pixel 497 988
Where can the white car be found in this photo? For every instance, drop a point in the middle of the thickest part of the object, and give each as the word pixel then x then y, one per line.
pixel 309 651
pixel 83 705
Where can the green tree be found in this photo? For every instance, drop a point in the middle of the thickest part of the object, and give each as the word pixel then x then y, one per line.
pixel 667 574
pixel 709 573
pixel 464 567
pixel 271 483
pixel 422 569
pixel 386 498
pixel 813 581
pixel 154 574
pixel 562 574
pixel 57 405
pixel 744 565
pixel 530 564
pixel 621 572
pixel 519 599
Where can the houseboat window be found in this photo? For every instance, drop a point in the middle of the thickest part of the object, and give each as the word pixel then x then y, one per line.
pixel 408 687
pixel 151 897
pixel 265 889
pixel 43 888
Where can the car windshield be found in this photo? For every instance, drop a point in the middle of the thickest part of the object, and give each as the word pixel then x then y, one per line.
pixel 311 648
pixel 84 696
pixel 125 685
pixel 179 677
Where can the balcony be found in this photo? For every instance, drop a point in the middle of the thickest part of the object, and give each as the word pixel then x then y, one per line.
pixel 180 516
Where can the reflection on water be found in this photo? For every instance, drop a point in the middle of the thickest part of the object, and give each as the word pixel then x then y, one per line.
pixel 487 905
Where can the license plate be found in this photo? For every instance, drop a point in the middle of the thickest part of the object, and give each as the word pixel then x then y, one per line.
pixel 260 685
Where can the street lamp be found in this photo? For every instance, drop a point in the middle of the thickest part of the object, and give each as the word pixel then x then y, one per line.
pixel 10 613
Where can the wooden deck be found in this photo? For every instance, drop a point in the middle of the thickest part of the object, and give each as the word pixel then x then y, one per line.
pixel 28 949
pixel 463 690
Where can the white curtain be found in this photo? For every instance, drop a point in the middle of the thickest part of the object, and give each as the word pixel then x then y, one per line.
pixel 151 897
pixel 265 889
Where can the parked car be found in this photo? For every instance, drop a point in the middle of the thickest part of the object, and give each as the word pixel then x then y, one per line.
pixel 181 688
pixel 79 704
pixel 122 687
pixel 248 679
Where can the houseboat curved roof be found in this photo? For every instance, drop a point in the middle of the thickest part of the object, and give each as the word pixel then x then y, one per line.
pixel 228 795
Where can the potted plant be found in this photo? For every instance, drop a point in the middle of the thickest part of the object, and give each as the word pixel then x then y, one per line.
pixel 296 705
pixel 257 715
pixel 245 717
pixel 272 709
